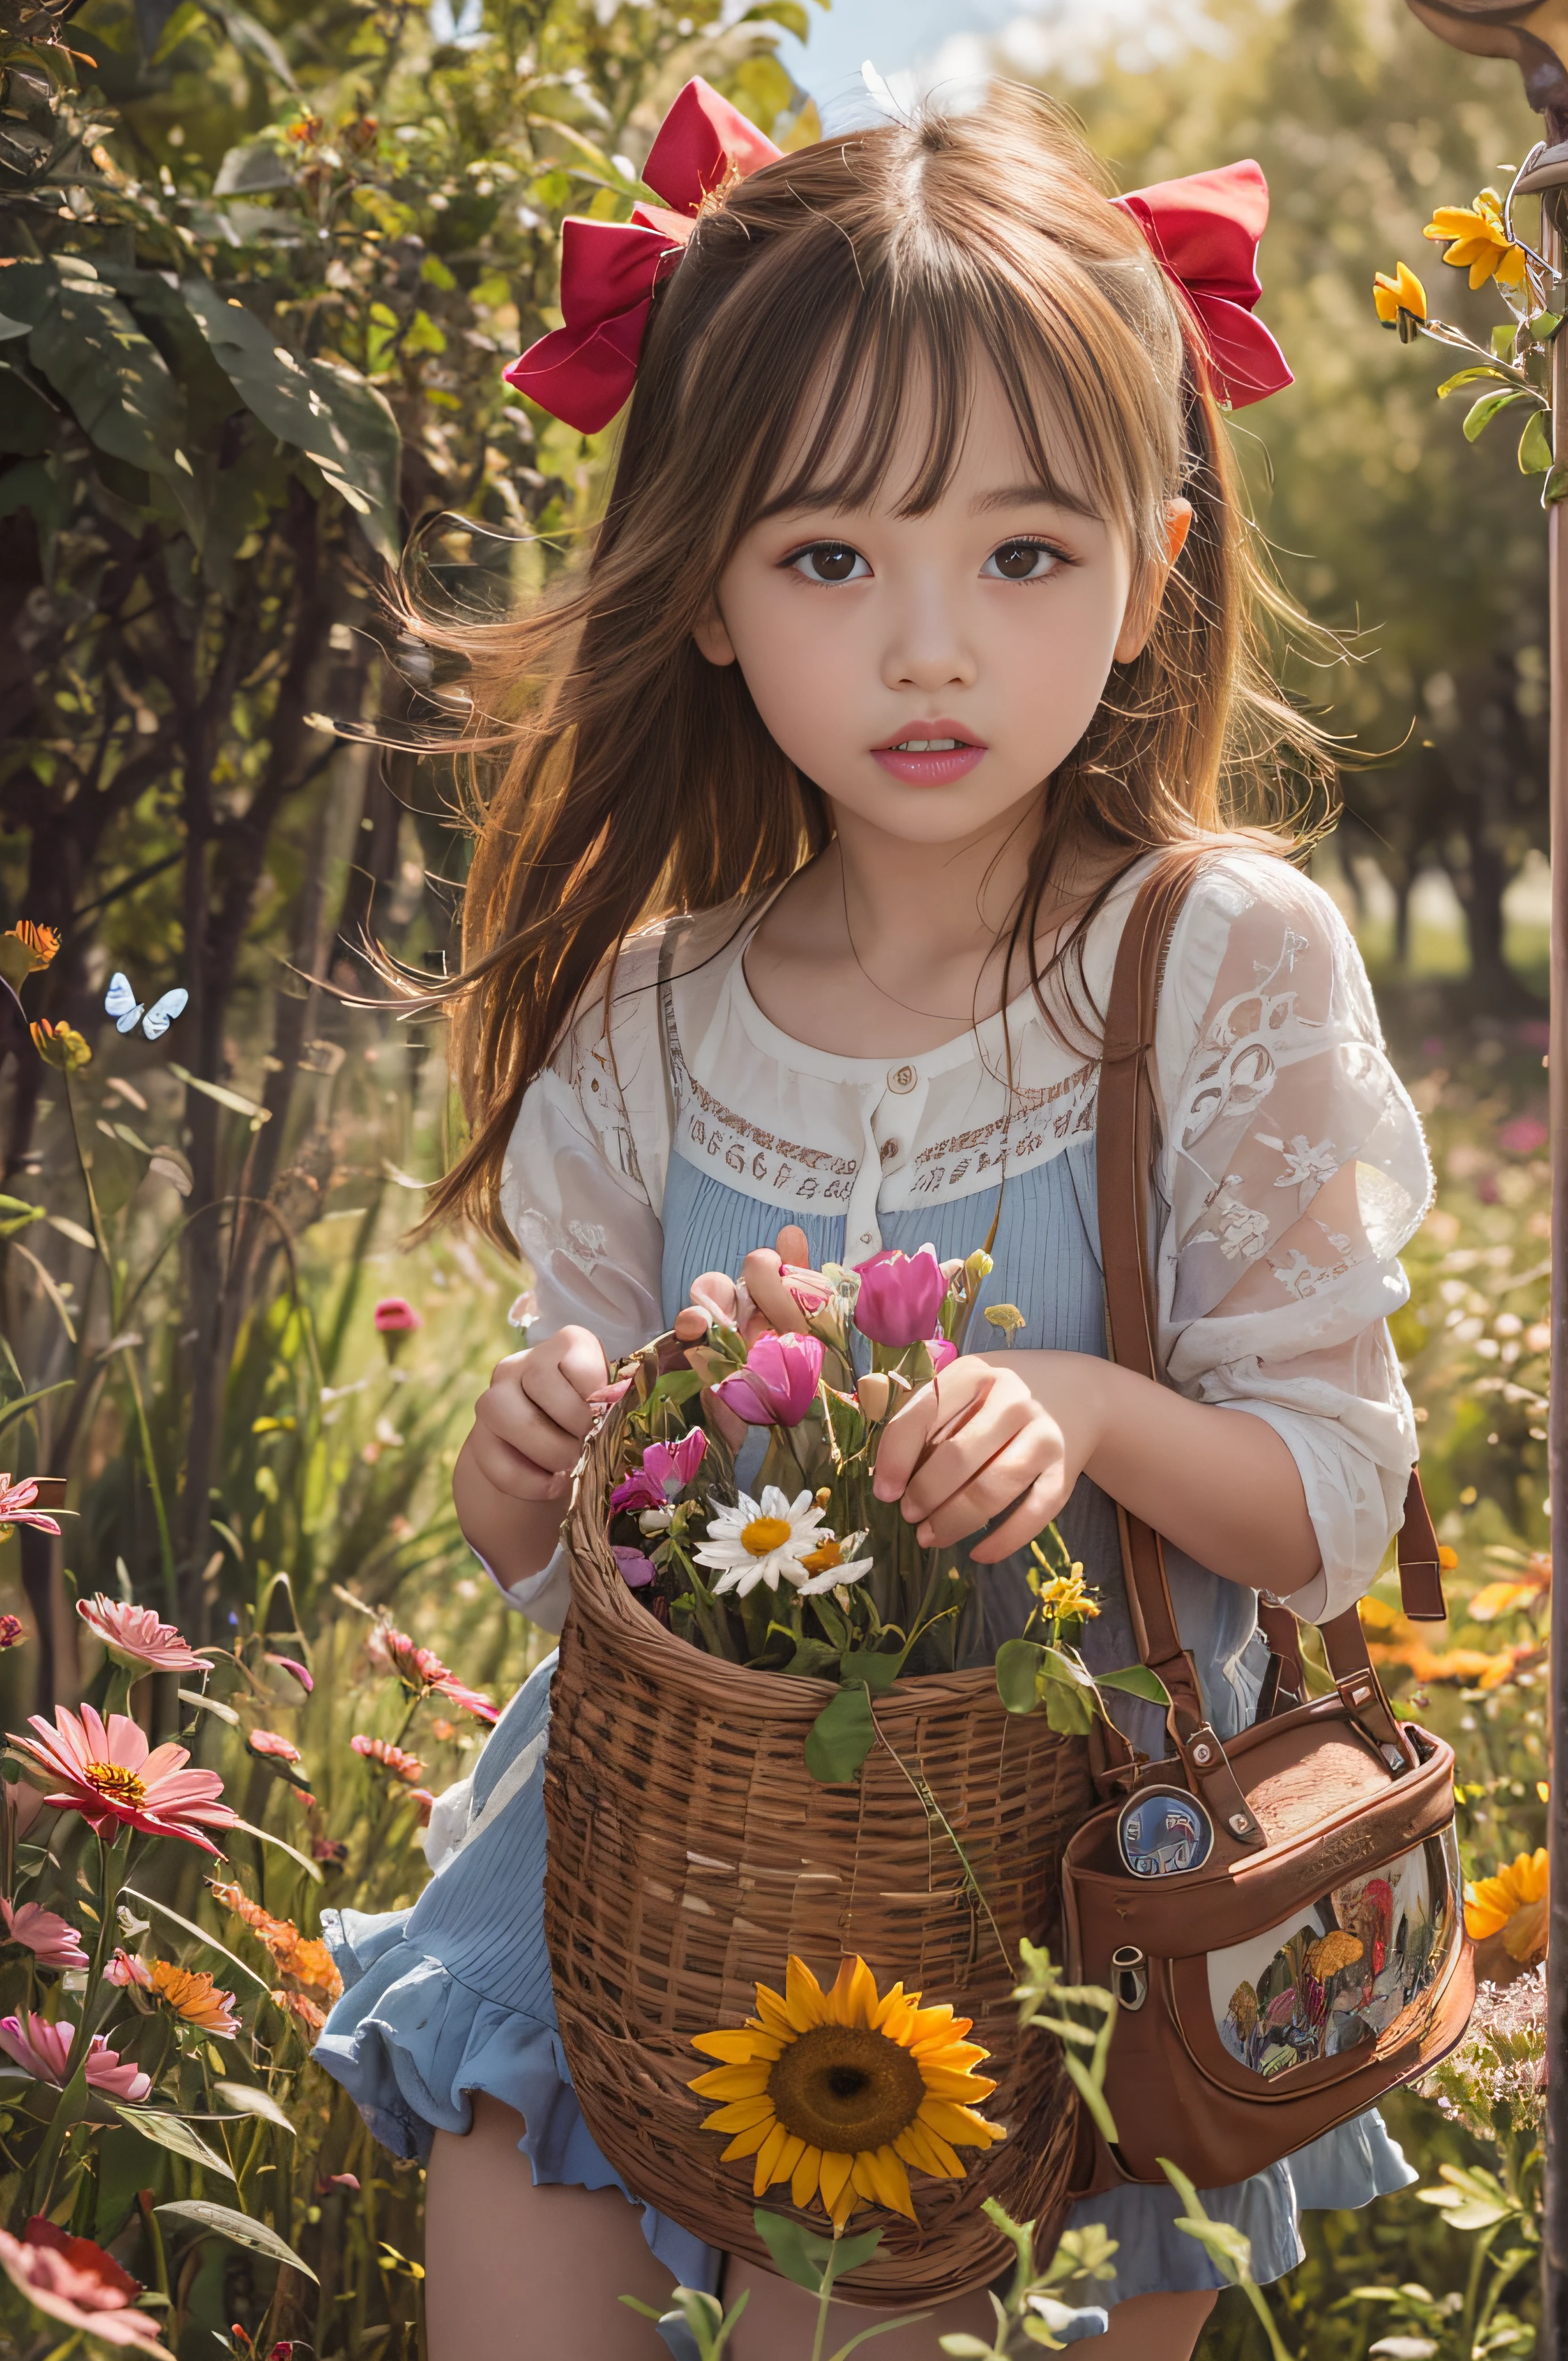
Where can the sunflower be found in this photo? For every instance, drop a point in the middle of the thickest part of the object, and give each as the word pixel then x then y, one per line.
pixel 839 2092
pixel 1512 1903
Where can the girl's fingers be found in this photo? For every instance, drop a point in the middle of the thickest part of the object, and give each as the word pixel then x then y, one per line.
pixel 511 1471
pixel 760 1275
pixel 714 1294
pixel 552 1395
pixel 956 1459
pixel 1042 1502
pixel 908 1430
pixel 791 1245
pixel 1006 1475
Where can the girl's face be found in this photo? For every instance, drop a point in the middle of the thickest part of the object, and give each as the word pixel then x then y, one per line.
pixel 929 673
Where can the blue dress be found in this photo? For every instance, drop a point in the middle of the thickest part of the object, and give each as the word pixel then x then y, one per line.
pixel 455 1996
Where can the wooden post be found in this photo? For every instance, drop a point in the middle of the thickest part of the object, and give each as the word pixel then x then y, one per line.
pixel 1536 37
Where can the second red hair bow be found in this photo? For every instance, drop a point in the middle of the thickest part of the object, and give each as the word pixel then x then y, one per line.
pixel 584 371
pixel 1204 231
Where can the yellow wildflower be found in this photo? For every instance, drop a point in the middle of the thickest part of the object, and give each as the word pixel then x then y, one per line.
pixel 1403 292
pixel 1512 1903
pixel 25 947
pixel 60 1045
pixel 1474 238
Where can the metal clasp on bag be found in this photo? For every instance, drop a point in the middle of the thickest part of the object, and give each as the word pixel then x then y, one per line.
pixel 1130 1977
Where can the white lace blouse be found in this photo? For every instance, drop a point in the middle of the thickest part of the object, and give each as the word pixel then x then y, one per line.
pixel 1273 1080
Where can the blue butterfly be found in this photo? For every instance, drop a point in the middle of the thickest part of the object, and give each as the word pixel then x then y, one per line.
pixel 127 1011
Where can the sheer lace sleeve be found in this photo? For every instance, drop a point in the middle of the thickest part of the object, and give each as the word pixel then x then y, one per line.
pixel 581 1189
pixel 585 1171
pixel 1293 1171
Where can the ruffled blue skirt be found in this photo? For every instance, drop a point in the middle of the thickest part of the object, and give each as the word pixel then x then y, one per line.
pixel 454 1996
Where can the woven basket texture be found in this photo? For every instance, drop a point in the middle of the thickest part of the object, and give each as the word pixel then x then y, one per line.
pixel 690 1852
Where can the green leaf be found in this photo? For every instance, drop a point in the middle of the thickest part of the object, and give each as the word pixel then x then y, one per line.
pixel 321 408
pixel 966 2348
pixel 1018 1675
pixel 210 1705
pixel 840 1738
pixel 224 2223
pixel 246 2098
pixel 27 422
pixel 189 1927
pixel 267 1836
pixel 1480 414
pixel 1535 446
pixel 175 2134
pixel 1136 1680
pixel 9 328
pixel 1544 327
pixel 1556 487
pixel 24 1403
pixel 117 383
pixel 1470 375
pixel 877 1667
pixel 230 1099
pixel 249 171
pixel 803 2256
pixel 811 1659
pixel 787 13
pixel 1503 336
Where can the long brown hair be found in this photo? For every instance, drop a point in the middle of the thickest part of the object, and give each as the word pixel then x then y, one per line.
pixel 618 776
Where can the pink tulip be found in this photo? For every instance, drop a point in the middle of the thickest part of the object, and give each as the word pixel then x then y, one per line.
pixel 806 1286
pixel 667 1469
pixel 899 1296
pixel 943 1352
pixel 778 1384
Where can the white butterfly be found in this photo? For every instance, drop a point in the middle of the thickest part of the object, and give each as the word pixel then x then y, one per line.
pixel 127 1011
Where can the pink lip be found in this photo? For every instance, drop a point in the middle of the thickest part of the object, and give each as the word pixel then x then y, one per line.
pixel 931 770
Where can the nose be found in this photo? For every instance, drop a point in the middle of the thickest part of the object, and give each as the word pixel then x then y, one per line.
pixel 928 649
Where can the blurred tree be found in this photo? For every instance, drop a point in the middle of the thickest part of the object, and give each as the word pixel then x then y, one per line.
pixel 1430 552
pixel 260 272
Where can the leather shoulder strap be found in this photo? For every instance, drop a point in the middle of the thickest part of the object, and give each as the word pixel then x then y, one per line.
pixel 1126 1128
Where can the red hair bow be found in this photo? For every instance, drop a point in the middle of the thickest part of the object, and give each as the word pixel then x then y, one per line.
pixel 583 371
pixel 1204 231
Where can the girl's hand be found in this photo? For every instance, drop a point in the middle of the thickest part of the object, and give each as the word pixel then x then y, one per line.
pixel 761 1301
pixel 978 1441
pixel 530 1421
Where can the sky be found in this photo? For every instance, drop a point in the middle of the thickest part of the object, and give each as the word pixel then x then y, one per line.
pixel 921 44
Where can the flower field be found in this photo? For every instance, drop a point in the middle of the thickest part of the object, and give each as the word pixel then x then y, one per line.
pixel 158 2005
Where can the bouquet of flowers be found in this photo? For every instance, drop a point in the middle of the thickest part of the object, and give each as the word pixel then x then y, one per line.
pixel 805 1571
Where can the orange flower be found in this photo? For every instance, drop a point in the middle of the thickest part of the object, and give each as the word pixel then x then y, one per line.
pixel 195 1997
pixel 60 1045
pixel 24 948
pixel 311 2018
pixel 1473 238
pixel 1512 1903
pixel 304 1957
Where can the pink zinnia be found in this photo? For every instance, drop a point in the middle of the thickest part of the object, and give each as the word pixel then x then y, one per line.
pixel 419 1669
pixel 467 1700
pixel 16 1505
pixel 778 1384
pixel 72 2281
pixel 127 1969
pixel 407 1767
pixel 899 1296
pixel 394 1316
pixel 272 1746
pixel 114 1780
pixel 135 1636
pixel 667 1469
pixel 53 1940
pixel 44 2049
pixel 296 1671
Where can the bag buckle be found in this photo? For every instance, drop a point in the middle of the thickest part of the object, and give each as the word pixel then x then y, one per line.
pixel 1130 1978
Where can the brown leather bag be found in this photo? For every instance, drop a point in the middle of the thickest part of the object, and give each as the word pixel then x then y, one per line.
pixel 1315 1955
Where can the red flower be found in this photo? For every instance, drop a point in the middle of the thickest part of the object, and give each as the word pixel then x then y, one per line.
pixel 395 1315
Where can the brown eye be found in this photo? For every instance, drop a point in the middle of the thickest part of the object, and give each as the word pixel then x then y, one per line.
pixel 830 561
pixel 1019 561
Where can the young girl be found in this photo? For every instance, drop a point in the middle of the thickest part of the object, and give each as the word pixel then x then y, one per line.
pixel 918 621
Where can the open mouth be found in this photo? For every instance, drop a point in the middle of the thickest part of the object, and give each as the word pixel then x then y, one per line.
pixel 933 756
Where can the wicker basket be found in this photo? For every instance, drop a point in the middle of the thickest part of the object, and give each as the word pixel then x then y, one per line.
pixel 690 1852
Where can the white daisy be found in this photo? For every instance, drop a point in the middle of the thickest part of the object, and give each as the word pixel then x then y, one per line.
pixel 748 1544
pixel 834 1564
